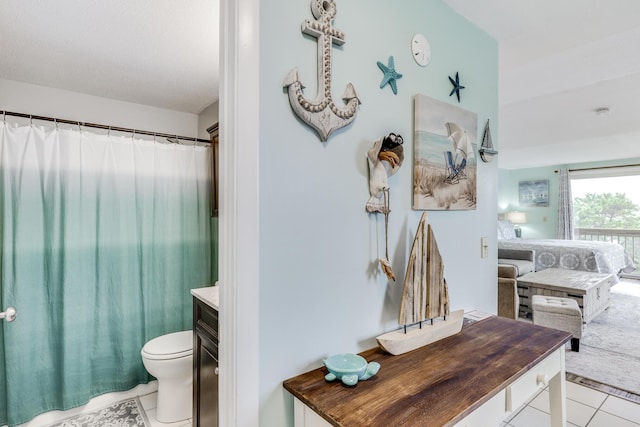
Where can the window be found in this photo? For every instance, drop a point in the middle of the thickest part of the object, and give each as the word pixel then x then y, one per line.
pixel 606 198
pixel 606 206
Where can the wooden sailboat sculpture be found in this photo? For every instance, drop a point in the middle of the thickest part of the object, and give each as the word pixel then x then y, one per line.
pixel 425 298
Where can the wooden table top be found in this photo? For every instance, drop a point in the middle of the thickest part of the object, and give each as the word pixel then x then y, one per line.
pixel 435 385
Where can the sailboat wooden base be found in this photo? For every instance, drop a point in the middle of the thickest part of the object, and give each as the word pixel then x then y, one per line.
pixel 398 342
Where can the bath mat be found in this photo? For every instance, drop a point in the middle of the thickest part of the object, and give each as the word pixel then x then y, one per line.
pixel 126 413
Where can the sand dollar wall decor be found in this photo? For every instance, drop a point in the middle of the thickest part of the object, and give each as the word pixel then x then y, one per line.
pixel 321 113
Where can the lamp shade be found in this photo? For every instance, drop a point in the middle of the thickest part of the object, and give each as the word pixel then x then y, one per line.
pixel 517 217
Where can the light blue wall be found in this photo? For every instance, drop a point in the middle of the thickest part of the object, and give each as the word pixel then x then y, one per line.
pixel 541 221
pixel 321 289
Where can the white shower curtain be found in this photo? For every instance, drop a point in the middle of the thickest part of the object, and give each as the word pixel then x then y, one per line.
pixel 102 237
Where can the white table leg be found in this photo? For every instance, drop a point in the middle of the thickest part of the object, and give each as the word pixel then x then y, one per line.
pixel 558 395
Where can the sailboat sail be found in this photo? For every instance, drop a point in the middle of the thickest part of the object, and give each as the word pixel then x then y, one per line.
pixel 486 148
pixel 486 138
pixel 425 295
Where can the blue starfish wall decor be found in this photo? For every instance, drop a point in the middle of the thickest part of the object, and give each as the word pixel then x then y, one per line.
pixel 390 75
pixel 456 86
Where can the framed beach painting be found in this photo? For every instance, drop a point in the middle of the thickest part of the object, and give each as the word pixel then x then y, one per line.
pixel 444 159
pixel 534 193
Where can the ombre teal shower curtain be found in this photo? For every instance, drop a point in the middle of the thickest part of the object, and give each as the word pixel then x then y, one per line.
pixel 102 238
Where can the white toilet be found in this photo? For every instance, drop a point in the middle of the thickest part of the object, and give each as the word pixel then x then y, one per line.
pixel 169 358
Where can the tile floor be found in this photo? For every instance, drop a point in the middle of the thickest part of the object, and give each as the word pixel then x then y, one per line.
pixel 146 393
pixel 586 407
pixel 148 402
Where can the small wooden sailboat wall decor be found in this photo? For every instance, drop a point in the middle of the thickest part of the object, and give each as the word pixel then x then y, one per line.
pixel 425 298
pixel 486 149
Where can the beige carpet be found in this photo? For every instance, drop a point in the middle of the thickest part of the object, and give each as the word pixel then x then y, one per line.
pixel 610 351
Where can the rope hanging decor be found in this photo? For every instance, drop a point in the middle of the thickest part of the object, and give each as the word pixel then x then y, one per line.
pixel 384 159
pixel 385 264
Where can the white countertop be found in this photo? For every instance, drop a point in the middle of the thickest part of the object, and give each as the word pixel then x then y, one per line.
pixel 208 295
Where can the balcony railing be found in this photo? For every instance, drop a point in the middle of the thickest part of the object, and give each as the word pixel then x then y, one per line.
pixel 630 239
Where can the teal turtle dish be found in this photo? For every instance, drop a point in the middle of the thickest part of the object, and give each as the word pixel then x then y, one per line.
pixel 350 368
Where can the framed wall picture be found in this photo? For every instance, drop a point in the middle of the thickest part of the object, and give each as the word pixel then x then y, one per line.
pixel 444 159
pixel 534 193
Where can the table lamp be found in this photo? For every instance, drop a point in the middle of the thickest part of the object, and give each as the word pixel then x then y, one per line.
pixel 517 218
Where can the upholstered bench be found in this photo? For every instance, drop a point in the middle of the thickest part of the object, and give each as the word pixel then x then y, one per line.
pixel 559 313
pixel 522 259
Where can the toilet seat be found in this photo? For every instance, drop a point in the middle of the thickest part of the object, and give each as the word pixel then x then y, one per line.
pixel 169 346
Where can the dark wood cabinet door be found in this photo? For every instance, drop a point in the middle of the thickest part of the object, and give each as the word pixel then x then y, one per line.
pixel 205 365
pixel 206 384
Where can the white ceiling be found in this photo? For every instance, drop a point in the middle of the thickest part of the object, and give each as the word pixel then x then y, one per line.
pixel 162 53
pixel 559 61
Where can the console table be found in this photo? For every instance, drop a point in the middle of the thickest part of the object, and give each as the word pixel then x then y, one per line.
pixel 474 378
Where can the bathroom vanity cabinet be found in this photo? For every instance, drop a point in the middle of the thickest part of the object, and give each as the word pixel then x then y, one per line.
pixel 205 359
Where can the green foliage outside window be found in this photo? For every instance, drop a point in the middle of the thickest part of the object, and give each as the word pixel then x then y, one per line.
pixel 606 210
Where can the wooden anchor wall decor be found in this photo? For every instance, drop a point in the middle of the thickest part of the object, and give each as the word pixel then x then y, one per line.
pixel 322 113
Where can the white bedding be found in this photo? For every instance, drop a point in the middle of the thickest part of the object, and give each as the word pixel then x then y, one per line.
pixel 585 255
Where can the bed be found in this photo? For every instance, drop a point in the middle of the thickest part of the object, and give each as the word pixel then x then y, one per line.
pixel 584 255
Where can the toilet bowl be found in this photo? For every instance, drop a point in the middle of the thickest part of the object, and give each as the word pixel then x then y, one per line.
pixel 169 358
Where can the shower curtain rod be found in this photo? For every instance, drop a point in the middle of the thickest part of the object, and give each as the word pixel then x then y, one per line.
pixel 169 137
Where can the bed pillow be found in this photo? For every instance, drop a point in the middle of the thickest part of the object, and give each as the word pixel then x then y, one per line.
pixel 505 230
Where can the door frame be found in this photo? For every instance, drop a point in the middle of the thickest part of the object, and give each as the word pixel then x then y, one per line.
pixel 239 212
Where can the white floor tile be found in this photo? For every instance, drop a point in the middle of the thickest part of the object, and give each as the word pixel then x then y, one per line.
pixel 149 401
pixel 577 413
pixel 541 401
pixel 514 414
pixel 524 405
pixel 151 415
pixel 532 417
pixel 602 419
pixel 586 395
pixel 622 408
